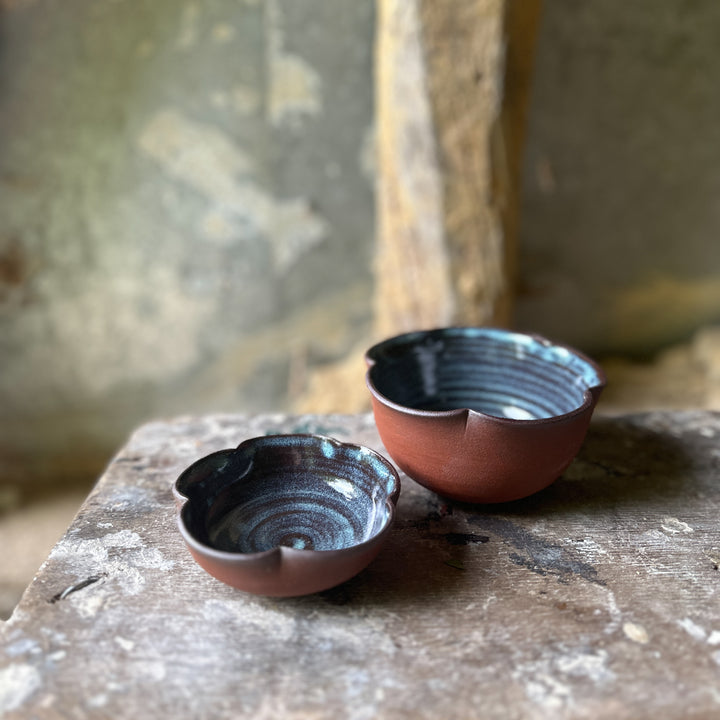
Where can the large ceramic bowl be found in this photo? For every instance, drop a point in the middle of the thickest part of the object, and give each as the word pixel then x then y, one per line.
pixel 287 515
pixel 481 414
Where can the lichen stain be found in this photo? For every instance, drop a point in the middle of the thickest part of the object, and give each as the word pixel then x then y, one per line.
pixel 207 160
pixel 187 37
pixel 294 89
pixel 223 33
pixel 294 86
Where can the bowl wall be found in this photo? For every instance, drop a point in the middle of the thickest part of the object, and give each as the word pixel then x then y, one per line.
pixel 479 414
pixel 287 514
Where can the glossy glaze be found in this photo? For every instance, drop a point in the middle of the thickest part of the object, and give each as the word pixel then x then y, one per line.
pixel 287 514
pixel 481 414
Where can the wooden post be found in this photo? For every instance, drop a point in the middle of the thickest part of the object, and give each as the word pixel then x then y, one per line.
pixel 449 156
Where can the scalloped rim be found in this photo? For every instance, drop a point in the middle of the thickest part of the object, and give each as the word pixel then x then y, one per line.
pixel 208 550
pixel 588 398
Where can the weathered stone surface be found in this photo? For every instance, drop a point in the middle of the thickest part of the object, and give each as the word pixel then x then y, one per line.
pixel 184 187
pixel 597 598
pixel 618 249
pixel 27 534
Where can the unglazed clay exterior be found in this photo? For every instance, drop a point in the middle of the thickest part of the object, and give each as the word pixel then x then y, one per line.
pixel 481 415
pixel 287 515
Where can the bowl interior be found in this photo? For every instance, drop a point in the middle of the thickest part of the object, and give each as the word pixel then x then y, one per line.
pixel 299 491
pixel 496 372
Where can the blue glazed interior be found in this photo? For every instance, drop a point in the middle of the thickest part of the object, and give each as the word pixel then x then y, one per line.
pixel 300 491
pixel 493 371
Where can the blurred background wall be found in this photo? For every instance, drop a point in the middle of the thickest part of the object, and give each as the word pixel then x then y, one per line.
pixel 218 205
pixel 618 231
pixel 186 214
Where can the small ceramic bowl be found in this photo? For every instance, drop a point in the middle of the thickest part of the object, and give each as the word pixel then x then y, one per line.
pixel 481 415
pixel 286 515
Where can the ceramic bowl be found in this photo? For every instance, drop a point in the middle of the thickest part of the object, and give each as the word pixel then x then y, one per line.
pixel 287 515
pixel 481 415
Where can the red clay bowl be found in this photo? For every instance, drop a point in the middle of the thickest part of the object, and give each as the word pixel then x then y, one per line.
pixel 287 515
pixel 481 415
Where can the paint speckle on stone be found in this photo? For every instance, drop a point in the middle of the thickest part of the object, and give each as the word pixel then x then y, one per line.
pixel 23 646
pixel 18 682
pixel 124 643
pixel 98 701
pixel 118 558
pixel 154 670
pixel 635 632
pixel 692 629
pixel 674 526
pixel 586 663
pixel 547 681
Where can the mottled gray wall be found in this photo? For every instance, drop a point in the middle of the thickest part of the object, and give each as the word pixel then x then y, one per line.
pixel 187 217
pixel 620 212
pixel 186 212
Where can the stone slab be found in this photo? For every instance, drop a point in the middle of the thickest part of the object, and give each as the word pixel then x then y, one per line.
pixel 596 598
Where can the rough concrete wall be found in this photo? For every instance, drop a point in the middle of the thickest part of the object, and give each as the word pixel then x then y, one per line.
pixel 618 246
pixel 186 212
